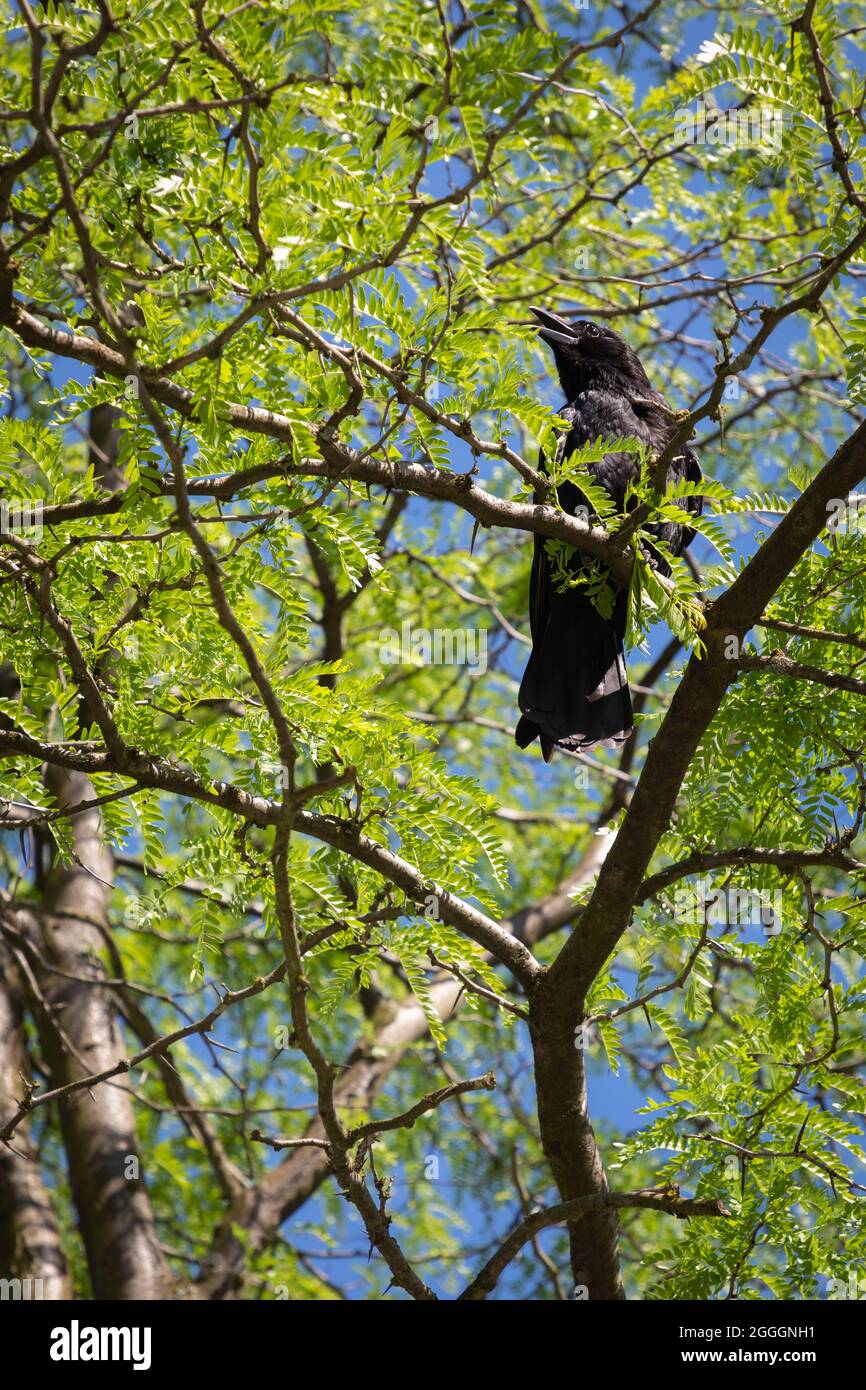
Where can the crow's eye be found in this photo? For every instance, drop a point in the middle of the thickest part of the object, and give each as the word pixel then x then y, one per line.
pixel 592 331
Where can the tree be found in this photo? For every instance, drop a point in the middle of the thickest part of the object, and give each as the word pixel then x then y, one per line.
pixel 300 956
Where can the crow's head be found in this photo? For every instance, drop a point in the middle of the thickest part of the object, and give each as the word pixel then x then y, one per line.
pixel 590 354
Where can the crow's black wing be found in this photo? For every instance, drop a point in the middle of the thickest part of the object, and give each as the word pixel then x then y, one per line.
pixel 574 692
pixel 539 589
pixel 604 414
pixel 539 578
pixel 594 414
pixel 681 537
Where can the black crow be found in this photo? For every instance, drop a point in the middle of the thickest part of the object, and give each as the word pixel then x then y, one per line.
pixel 574 692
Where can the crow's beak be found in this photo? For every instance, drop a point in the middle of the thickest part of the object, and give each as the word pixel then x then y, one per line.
pixel 552 328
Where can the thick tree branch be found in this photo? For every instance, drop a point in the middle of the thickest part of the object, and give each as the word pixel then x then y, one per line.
pixel 778 664
pixel 577 1209
pixel 556 1006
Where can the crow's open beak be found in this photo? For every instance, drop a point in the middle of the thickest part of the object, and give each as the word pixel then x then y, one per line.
pixel 553 329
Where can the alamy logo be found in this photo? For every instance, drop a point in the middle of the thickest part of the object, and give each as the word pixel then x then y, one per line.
pixel 755 127
pixel 854 1288
pixel 76 1343
pixel 441 646
pixel 21 517
pixel 847 514
pixel 21 1289
pixel 728 907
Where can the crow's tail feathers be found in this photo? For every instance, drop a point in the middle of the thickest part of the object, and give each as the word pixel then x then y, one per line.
pixel 527 730
pixel 574 693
